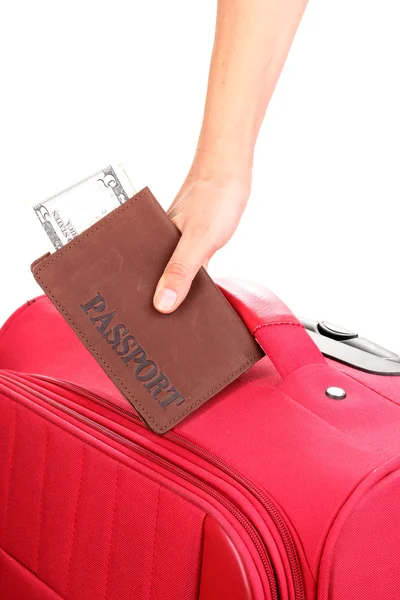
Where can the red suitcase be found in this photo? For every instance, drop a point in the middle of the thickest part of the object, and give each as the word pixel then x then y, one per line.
pixel 285 485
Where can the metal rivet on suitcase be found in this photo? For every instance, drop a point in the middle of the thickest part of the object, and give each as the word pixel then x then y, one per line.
pixel 336 393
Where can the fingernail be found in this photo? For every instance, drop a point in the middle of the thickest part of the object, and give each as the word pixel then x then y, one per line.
pixel 165 299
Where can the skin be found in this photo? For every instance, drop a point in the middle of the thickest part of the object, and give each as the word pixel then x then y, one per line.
pixel 252 41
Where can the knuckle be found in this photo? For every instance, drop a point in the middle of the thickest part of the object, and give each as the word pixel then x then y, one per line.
pixel 177 270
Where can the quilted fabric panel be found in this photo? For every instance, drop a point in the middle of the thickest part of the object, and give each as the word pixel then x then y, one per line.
pixel 86 525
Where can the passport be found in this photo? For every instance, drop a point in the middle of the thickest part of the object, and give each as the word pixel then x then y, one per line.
pixel 103 281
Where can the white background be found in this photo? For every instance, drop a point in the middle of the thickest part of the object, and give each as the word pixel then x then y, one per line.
pixel 87 83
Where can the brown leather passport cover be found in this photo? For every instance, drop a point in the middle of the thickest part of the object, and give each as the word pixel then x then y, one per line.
pixel 103 283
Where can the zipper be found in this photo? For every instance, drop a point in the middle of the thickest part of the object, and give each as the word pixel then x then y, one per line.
pixel 167 465
pixel 276 517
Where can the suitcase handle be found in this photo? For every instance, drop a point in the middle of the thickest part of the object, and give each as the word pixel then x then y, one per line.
pixel 279 333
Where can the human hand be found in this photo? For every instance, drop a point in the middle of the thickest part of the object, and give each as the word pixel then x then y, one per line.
pixel 207 210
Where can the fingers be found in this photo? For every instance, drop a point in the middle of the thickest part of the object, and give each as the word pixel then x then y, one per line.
pixel 192 251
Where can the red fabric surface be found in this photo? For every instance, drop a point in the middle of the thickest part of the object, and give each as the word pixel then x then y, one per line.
pixel 86 525
pixel 366 550
pixel 223 573
pixel 279 333
pixel 307 454
pixel 19 583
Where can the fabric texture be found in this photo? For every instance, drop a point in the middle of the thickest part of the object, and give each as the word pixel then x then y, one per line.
pixel 306 487
pixel 86 525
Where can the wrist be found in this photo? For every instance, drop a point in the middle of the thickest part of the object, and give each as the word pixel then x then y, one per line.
pixel 230 138
pixel 221 164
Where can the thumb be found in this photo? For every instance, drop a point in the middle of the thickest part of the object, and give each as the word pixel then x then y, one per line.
pixel 191 252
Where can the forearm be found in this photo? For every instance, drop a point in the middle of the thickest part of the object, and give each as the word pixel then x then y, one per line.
pixel 252 40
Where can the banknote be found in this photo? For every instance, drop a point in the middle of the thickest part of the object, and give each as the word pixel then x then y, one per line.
pixel 68 213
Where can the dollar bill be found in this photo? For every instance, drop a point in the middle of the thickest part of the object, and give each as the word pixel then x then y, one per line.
pixel 73 210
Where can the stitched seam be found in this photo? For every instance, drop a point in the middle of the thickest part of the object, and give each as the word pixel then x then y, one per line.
pixel 128 392
pixel 278 323
pixel 112 533
pixel 41 502
pixel 129 463
pixel 6 524
pixel 66 425
pixel 154 542
pixel 75 521
pixel 89 232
